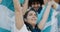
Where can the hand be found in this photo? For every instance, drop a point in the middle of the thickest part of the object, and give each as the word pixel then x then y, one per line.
pixel 50 2
pixel 54 6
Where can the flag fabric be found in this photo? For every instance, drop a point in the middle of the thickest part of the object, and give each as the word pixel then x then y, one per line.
pixel 9 4
pixel 6 20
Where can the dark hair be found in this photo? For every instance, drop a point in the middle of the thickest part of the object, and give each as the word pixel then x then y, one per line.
pixel 59 1
pixel 33 1
pixel 25 16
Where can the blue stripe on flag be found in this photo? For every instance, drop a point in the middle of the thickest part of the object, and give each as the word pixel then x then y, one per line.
pixel 47 29
pixel 8 3
pixel 4 30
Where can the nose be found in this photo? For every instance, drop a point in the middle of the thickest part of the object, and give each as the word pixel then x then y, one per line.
pixel 34 17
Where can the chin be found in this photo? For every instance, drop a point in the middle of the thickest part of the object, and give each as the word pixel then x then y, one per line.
pixel 34 23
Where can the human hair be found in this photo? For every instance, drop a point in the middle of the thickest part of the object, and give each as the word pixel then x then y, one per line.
pixel 37 1
pixel 28 25
pixel 59 1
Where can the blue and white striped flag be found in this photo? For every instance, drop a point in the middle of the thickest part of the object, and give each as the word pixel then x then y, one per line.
pixel 5 18
pixel 51 24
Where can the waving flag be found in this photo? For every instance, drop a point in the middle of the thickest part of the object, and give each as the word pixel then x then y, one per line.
pixel 8 3
pixel 6 14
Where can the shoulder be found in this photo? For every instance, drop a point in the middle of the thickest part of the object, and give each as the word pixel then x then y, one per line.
pixel 23 29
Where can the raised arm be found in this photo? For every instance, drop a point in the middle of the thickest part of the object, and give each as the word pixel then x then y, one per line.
pixel 45 16
pixel 18 15
pixel 25 6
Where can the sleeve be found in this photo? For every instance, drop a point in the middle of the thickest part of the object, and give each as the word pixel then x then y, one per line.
pixel 23 29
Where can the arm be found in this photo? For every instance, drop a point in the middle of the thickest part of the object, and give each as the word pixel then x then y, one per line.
pixel 25 6
pixel 45 16
pixel 18 14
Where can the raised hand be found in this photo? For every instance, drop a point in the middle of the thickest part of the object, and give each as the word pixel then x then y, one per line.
pixel 18 15
pixel 25 6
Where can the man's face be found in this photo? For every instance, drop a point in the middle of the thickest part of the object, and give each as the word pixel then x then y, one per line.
pixel 36 5
pixel 0 1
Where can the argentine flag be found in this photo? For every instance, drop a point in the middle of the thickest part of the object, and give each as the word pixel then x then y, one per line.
pixel 9 4
pixel 6 15
pixel 51 24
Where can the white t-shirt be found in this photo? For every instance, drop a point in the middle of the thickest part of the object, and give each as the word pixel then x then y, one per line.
pixel 23 29
pixel 14 29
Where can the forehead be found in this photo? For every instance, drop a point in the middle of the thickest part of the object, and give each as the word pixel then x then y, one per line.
pixel 31 12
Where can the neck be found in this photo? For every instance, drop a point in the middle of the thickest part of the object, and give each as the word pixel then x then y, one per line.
pixel 30 25
pixel 33 26
pixel 35 9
